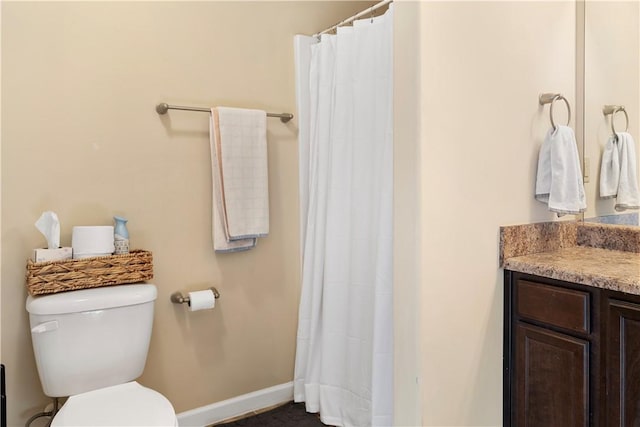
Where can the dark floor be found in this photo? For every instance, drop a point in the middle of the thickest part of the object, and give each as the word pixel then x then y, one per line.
pixel 288 415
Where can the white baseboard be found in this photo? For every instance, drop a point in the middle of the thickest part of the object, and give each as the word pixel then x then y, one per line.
pixel 220 411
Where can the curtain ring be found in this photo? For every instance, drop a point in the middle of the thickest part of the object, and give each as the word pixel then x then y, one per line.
pixel 555 98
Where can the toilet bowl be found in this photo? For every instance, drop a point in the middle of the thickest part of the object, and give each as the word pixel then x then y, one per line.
pixel 91 345
pixel 127 404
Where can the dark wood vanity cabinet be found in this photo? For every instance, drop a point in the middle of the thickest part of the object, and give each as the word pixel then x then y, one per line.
pixel 551 384
pixel 623 362
pixel 571 354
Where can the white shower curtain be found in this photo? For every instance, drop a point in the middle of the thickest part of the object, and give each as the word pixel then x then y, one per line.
pixel 344 357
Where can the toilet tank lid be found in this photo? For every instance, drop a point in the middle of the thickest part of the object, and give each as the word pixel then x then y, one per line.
pixel 92 299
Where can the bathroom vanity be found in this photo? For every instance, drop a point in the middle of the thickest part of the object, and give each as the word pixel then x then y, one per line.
pixel 571 325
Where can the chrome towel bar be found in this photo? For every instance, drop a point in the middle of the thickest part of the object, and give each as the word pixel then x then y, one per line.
pixel 163 107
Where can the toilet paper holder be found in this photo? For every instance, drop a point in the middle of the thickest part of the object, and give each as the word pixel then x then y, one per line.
pixel 178 298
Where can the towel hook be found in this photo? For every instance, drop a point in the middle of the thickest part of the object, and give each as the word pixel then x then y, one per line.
pixel 550 98
pixel 612 110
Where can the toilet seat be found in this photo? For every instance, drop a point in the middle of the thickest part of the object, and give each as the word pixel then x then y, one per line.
pixel 128 404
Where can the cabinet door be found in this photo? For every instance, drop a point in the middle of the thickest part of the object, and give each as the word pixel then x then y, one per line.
pixel 623 364
pixel 551 379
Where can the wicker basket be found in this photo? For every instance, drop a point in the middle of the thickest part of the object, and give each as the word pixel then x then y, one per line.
pixel 49 277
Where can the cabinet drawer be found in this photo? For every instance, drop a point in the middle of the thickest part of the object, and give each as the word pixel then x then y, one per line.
pixel 555 306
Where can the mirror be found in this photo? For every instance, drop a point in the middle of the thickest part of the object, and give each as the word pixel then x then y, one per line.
pixel 611 76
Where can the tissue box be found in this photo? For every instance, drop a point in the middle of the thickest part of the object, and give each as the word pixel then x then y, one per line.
pixel 40 255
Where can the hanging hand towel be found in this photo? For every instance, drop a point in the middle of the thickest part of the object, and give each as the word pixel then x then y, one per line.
pixel 628 196
pixel 243 147
pixel 610 169
pixel 220 241
pixel 559 177
pixel 240 149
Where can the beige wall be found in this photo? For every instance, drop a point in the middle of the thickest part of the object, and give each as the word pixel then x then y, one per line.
pixel 483 66
pixel 470 96
pixel 80 136
pixel 612 76
pixel 407 258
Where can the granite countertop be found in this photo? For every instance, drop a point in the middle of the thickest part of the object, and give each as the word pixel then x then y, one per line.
pixel 599 255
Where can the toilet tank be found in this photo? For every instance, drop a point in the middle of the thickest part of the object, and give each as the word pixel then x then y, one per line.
pixel 92 338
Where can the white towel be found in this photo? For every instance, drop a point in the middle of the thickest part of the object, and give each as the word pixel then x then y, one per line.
pixel 220 241
pixel 239 146
pixel 559 178
pixel 628 196
pixel 610 169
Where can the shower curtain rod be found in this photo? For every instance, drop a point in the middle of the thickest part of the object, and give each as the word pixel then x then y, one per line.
pixel 354 17
pixel 163 107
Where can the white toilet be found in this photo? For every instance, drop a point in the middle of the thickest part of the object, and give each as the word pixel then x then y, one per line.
pixel 91 345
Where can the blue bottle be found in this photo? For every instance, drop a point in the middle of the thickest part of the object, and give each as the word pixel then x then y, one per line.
pixel 121 236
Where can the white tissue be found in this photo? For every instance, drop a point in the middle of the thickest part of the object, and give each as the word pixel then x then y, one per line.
pixel 49 226
pixel 201 300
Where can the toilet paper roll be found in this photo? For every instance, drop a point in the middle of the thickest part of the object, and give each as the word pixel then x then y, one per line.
pixel 201 300
pixel 92 240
